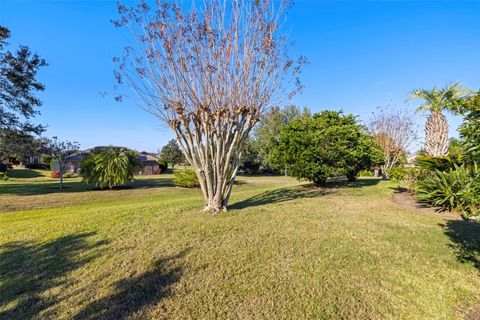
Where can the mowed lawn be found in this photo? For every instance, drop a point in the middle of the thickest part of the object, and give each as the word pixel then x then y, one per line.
pixel 285 250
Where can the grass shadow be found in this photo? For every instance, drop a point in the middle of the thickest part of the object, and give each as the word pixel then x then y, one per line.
pixel 52 186
pixel 23 174
pixel 279 195
pixel 28 270
pixel 302 192
pixel 465 237
pixel 344 183
pixel 135 294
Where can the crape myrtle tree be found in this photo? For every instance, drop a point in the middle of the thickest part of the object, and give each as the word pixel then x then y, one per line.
pixel 18 85
pixel 329 142
pixel 394 131
pixel 61 151
pixel 209 71
pixel 435 102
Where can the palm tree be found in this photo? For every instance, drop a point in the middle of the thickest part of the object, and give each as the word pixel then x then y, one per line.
pixel 436 128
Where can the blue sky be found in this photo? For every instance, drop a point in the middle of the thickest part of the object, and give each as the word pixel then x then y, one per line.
pixel 362 54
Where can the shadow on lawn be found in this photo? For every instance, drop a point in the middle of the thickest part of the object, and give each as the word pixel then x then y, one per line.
pixel 279 195
pixel 28 270
pixel 344 183
pixel 465 236
pixel 133 295
pixel 23 173
pixel 306 191
pixel 52 186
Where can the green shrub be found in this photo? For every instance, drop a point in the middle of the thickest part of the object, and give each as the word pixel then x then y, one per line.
pixel 186 178
pixel 396 174
pixel 444 163
pixel 111 167
pixel 366 173
pixel 457 189
pixel 70 174
pixel 328 143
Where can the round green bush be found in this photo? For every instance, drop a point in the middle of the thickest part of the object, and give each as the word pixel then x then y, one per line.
pixel 186 179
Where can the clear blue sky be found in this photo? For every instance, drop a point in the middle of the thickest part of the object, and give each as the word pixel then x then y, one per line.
pixel 363 54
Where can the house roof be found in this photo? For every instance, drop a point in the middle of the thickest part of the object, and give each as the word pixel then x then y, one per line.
pixel 145 156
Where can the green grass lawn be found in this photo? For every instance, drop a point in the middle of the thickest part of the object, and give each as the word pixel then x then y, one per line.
pixel 285 250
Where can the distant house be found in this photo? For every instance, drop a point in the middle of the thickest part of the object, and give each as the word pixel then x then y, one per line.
pixel 149 162
pixel 74 162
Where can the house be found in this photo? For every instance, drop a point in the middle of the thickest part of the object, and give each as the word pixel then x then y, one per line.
pixel 74 162
pixel 149 162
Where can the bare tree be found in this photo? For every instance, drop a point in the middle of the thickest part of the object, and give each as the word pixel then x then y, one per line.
pixel 61 151
pixel 394 130
pixel 209 72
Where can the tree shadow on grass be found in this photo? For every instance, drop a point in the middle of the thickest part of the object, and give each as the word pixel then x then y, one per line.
pixel 23 173
pixel 302 192
pixel 28 270
pixel 133 295
pixel 465 236
pixel 52 186
pixel 279 195
pixel 344 183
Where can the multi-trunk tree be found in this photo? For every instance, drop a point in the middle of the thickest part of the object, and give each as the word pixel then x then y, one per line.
pixel 209 71
pixel 394 131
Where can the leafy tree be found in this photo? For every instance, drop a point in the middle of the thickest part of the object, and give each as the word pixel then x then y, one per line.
pixel 469 108
pixel 171 153
pixel 61 151
pixel 250 160
pixel 436 128
pixel 362 153
pixel 315 147
pixel 110 167
pixel 19 145
pixel 209 71
pixel 18 84
pixel 267 132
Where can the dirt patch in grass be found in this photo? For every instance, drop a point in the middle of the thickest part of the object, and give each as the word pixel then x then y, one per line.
pixel 471 312
pixel 407 201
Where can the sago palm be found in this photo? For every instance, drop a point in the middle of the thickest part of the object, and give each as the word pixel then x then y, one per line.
pixel 436 101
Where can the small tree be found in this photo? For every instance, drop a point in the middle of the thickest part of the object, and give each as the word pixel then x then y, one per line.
pixel 313 148
pixel 172 153
pixel 209 71
pixel 394 132
pixel 110 167
pixel 61 151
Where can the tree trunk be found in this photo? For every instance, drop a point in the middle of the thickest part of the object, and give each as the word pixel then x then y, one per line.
pixel 436 135
pixel 61 179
